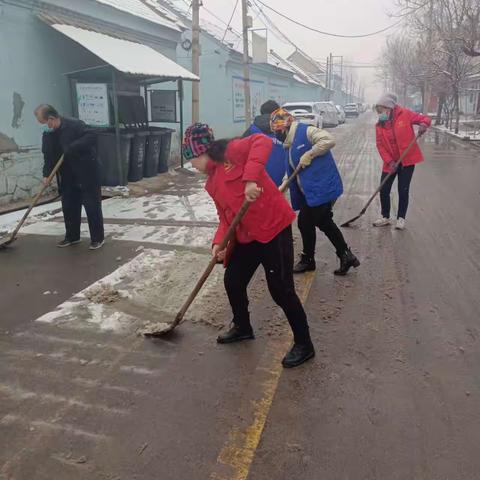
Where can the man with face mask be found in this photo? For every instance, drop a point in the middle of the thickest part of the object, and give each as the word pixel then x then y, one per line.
pixel 79 175
pixel 276 165
pixel 394 132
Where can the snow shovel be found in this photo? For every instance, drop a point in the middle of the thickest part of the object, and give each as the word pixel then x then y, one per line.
pixel 161 328
pixel 4 242
pixel 397 163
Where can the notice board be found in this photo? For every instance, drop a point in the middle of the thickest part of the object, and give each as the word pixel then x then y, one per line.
pixel 163 106
pixel 257 96
pixel 92 103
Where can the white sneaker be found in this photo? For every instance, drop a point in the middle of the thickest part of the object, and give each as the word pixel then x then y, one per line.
pixel 381 222
pixel 400 224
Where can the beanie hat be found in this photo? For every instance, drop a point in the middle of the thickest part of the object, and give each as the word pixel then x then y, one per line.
pixel 280 120
pixel 268 107
pixel 392 96
pixel 197 140
pixel 388 100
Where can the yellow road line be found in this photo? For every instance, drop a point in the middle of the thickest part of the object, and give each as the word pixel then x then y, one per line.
pixel 236 456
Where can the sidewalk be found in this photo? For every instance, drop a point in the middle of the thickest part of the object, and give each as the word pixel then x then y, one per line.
pixel 469 130
pixel 172 230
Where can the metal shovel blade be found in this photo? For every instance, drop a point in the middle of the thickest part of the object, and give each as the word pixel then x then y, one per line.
pixel 347 223
pixel 6 241
pixel 157 329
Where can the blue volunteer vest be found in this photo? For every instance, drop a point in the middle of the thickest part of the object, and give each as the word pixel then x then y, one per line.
pixel 277 161
pixel 317 184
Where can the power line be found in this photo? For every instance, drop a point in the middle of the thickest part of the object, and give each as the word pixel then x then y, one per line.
pixel 328 33
pixel 230 21
pixel 270 23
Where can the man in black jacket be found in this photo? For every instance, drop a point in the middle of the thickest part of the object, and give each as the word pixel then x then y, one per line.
pixel 79 176
pixel 261 123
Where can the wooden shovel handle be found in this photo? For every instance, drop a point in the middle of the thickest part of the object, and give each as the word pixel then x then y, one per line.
pixel 223 244
pixel 37 197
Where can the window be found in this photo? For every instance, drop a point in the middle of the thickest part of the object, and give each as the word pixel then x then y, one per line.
pixel 308 108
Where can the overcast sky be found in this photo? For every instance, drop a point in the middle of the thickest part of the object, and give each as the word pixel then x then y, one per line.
pixel 336 16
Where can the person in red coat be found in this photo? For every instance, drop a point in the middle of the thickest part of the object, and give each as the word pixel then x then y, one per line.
pixel 394 132
pixel 236 171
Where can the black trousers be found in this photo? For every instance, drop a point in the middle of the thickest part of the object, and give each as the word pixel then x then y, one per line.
pixel 277 260
pixel 320 217
pixel 404 175
pixel 73 197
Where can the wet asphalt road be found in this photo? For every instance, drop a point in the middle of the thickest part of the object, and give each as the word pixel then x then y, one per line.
pixel 392 394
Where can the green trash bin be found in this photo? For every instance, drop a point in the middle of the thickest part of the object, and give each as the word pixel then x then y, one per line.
pixel 137 155
pixel 114 170
pixel 152 156
pixel 165 150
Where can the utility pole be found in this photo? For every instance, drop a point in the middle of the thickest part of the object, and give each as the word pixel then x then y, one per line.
pixel 330 82
pixel 327 75
pixel 341 70
pixel 246 66
pixel 196 59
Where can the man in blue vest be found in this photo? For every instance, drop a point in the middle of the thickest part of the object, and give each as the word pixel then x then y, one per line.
pixel 276 165
pixel 317 188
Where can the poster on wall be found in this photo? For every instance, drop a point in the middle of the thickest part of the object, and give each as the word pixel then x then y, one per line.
pixel 277 92
pixel 257 94
pixel 92 103
pixel 163 106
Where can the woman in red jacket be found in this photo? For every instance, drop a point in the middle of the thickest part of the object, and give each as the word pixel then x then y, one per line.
pixel 394 132
pixel 236 171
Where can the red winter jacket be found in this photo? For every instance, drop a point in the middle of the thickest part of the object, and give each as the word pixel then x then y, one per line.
pixel 394 136
pixel 245 161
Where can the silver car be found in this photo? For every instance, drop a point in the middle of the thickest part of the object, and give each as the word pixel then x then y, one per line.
pixel 351 110
pixel 340 114
pixel 329 113
pixel 306 112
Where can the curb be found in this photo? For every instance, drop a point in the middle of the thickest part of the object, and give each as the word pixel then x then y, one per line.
pixel 473 143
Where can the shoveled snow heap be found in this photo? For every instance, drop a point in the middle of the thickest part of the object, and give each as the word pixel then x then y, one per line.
pixel 150 288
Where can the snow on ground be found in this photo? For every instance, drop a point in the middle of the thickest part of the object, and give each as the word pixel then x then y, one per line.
pixel 463 134
pixel 196 207
pixel 164 235
pixel 150 287
pixel 8 221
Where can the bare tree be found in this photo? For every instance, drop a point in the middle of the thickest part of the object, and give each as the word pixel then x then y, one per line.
pixel 404 66
pixel 450 34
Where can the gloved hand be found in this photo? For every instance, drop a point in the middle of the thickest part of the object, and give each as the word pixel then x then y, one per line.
pixel 306 159
pixel 422 128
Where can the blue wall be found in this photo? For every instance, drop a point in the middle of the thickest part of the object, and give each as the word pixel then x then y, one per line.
pixel 33 61
pixel 218 69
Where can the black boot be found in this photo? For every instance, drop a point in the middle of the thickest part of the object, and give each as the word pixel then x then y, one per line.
pixel 236 334
pixel 305 264
pixel 347 260
pixel 298 354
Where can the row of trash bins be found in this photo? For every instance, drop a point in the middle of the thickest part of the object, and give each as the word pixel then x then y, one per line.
pixel 143 153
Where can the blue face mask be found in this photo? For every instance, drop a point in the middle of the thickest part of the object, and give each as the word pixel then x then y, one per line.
pixel 47 129
pixel 383 117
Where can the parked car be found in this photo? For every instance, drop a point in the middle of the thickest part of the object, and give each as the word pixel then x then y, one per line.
pixel 351 110
pixel 329 113
pixel 306 112
pixel 340 114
